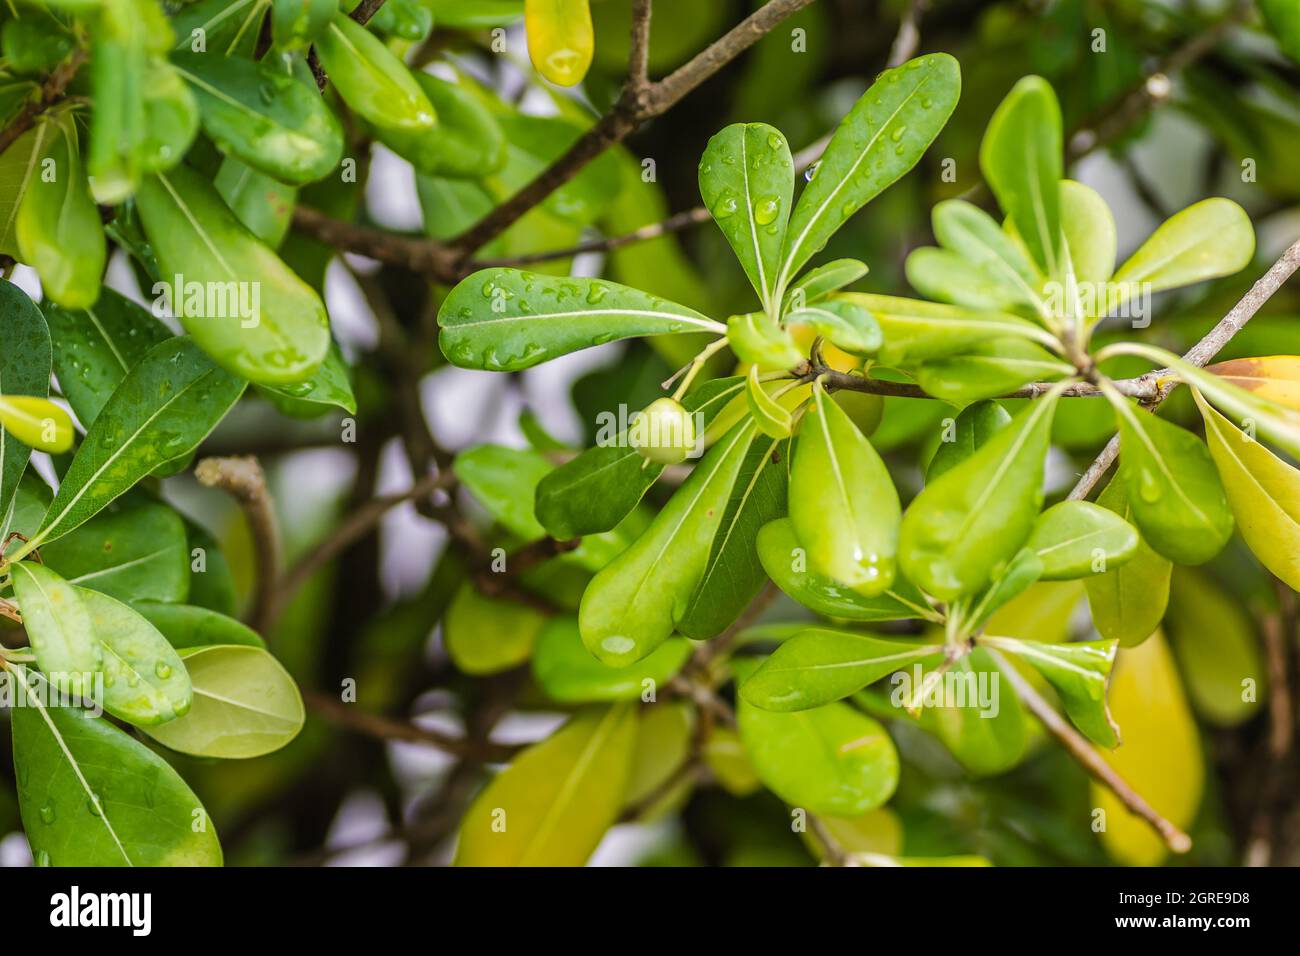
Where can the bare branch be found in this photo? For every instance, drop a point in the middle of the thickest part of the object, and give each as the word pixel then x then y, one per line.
pixel 244 480
pixel 1087 756
pixel 638 60
pixel 675 223
pixel 385 728
pixel 1200 354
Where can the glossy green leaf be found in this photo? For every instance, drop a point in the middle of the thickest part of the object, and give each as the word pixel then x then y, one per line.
pixel 997 366
pixel 843 505
pixel 773 418
pixel 145 682
pixel 504 320
pixel 504 480
pixel 408 20
pixel 58 626
pixel 137 554
pixel 820 665
pixel 1128 602
pixel 567 672
pixel 977 716
pixel 96 347
pixel 91 795
pixel 1020 574
pixel 945 276
pixel 468 140
pixel 486 635
pixel 880 139
pixel 967 524
pixel 733 575
pixel 756 338
pixel 831 759
pixel 1283 20
pixel 1080 673
pixel 747 184
pixel 1206 240
pixel 843 324
pixel 19 166
pixel 1263 492
pixel 263 204
pixel 245 705
pixel 820 282
pixel 552 806
pixel 975 425
pixel 916 331
pixel 295 23
pixel 168 403
pixel 58 228
pixel 187 625
pixel 973 234
pixel 371 80
pixel 171 118
pixel 330 387
pixel 36 422
pixel 1218 653
pixel 1175 494
pixel 264 116
pixel 1074 539
pixel 1020 157
pixel 251 313
pixel 664 736
pixel 632 605
pixel 785 561
pixel 1089 232
pixel 119 63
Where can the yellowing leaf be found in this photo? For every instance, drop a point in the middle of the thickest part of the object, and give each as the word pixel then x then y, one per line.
pixel 1161 756
pixel 1274 377
pixel 484 635
pixel 554 803
pixel 561 40
pixel 36 422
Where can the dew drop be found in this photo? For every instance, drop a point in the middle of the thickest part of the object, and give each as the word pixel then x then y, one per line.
pixel 47 813
pixel 163 670
pixel 766 209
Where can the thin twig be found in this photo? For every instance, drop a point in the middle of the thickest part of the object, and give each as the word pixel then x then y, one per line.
pixel 1200 354
pixel 638 59
pixel 674 223
pixel 1091 760
pixel 243 479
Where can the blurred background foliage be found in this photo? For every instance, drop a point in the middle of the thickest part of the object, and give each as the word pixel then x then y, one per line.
pixel 1227 122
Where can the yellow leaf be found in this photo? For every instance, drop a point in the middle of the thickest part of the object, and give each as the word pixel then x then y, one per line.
pixel 552 806
pixel 1274 377
pixel 560 39
pixel 37 422
pixel 487 635
pixel 1160 757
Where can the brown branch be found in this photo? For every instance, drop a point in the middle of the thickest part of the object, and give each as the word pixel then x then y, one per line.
pixel 674 223
pixel 1084 752
pixel 243 479
pixel 416 255
pixel 365 10
pixel 51 91
pixel 637 104
pixel 1200 354
pixel 638 59
pixel 385 728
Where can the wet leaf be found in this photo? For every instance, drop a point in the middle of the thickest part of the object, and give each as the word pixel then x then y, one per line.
pixel 370 78
pixel 58 626
pixel 561 40
pixel 1079 673
pixel 137 554
pixel 568 672
pixel 1128 602
pixel 1074 539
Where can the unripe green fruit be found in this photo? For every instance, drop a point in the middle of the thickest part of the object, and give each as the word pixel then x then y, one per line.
pixel 663 432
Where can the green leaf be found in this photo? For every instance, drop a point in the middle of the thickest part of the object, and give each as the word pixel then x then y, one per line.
pixel 186 625
pixel 961 436
pixel 983 727
pixel 773 418
pixel 20 166
pixel 818 283
pixel 756 337
pixel 119 62
pixel 831 759
pixel 994 367
pixel 92 796
pixel 785 561
pixel 917 331
pixel 137 554
pixel 486 635
pixel 567 672
pixel 468 140
pixel 264 116
pixel 1263 492
pixel 330 386
pixel 371 80
pixel 171 117
pixel 747 184
pixel 58 626
pixel 843 505
pixel 1128 602
pixel 821 665
pixel 245 705
pixel 1177 500
pixel 145 682
pixel 945 276
pixel 1020 575
pixel 58 228
pixel 734 575
pixel 656 784
pixel 1283 20
pixel 1020 157
pixel 279 337
pixel 843 324
pixel 600 487
pixel 1074 539
pixel 1089 232
pixel 165 406
pixel 977 237
pixel 966 525
pixel 96 347
pixel 632 605
pixel 880 139
pixel 552 806
pixel 295 23
pixel 1206 240
pixel 504 480
pixel 29 505
pixel 1079 673
pixel 504 320
pixel 263 204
